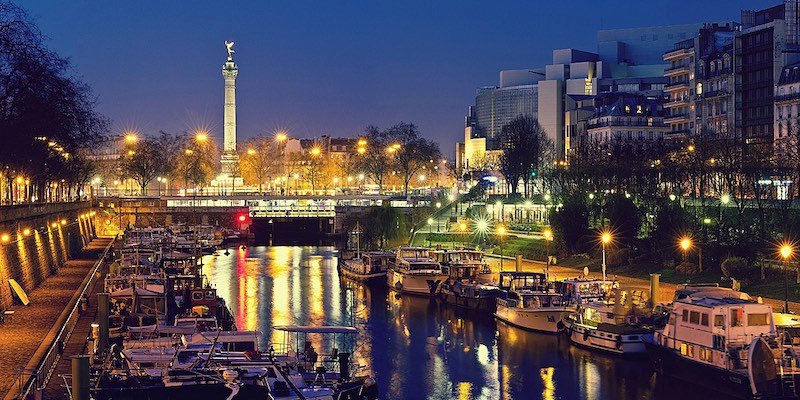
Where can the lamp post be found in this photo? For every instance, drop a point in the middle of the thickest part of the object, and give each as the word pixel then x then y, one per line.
pixel 462 227
pixel 501 231
pixel 548 236
pixel 605 239
pixel 430 225
pixel 723 202
pixel 685 243
pixel 786 250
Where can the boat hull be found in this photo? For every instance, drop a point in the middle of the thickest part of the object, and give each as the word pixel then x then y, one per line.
pixel 487 303
pixel 627 343
pixel 540 320
pixel 358 277
pixel 670 363
pixel 419 284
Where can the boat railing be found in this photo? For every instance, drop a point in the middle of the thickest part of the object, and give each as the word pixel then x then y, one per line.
pixel 32 383
pixel 733 358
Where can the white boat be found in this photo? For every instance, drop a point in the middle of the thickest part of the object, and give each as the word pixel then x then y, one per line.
pixel 530 302
pixel 415 272
pixel 599 325
pixel 729 340
pixel 462 287
pixel 367 266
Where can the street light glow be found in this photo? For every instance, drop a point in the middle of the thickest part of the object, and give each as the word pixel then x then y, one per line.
pixel 430 221
pixel 462 226
pixel 251 151
pixel 201 136
pixel 501 230
pixel 281 136
pixel 316 151
pixel 548 234
pixel 605 237
pixel 685 243
pixel 725 198
pixel 131 138
pixel 786 251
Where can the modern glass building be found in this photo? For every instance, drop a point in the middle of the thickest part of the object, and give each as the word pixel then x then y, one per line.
pixel 497 106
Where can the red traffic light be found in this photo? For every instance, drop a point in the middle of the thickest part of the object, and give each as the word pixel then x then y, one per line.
pixel 242 218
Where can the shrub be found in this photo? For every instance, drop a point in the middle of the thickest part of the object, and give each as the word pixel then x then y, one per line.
pixel 738 268
pixel 687 268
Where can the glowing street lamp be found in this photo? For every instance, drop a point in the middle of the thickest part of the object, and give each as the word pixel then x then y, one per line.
pixel 462 227
pixel 131 138
pixel 605 239
pixel 201 136
pixel 430 227
pixel 251 152
pixel 685 243
pixel 786 251
pixel 281 136
pixel 501 231
pixel 548 237
pixel 316 151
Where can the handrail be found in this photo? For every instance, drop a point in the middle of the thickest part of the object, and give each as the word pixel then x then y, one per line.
pixel 44 369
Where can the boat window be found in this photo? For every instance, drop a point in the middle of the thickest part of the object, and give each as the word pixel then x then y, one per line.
pixel 685 316
pixel 706 354
pixel 684 349
pixel 736 317
pixel 197 296
pixel 757 319
pixel 704 319
pixel 719 321
pixel 694 317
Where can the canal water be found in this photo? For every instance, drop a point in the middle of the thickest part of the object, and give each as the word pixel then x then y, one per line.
pixel 418 348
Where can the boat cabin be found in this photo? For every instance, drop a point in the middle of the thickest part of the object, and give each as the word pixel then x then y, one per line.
pixel 515 281
pixel 581 291
pixel 377 261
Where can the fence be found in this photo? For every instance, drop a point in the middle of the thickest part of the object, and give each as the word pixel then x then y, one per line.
pixel 33 382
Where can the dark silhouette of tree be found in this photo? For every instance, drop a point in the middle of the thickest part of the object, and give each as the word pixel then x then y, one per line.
pixel 571 223
pixel 413 153
pixel 46 115
pixel 260 160
pixel 375 163
pixel 143 163
pixel 525 147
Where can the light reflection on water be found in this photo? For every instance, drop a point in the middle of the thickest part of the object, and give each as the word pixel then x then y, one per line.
pixel 417 348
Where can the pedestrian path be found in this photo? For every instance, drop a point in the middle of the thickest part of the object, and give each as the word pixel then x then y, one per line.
pixel 26 336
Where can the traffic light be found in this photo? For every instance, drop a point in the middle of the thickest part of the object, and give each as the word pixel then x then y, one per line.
pixel 534 173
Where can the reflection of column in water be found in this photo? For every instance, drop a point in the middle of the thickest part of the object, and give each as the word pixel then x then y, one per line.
pixel 279 271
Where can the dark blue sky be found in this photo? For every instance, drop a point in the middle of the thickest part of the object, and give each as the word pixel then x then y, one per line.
pixel 330 67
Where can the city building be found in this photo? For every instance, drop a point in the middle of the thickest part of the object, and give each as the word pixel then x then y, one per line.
pixel 787 103
pixel 768 41
pixel 630 118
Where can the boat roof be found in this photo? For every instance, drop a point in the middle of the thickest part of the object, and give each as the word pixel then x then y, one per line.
pixel 715 301
pixel 316 329
pixel 515 274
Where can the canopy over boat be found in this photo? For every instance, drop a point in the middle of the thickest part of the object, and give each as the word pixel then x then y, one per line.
pixel 316 329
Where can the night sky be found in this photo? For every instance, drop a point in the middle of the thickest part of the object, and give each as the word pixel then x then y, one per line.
pixel 330 67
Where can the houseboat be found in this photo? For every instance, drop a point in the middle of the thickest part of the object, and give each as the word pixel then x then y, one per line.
pixel 369 266
pixel 729 340
pixel 415 272
pixel 529 301
pixel 609 326
pixel 462 288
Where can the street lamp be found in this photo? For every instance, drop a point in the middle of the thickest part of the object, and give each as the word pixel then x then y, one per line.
pixel 501 231
pixel 605 239
pixel 201 136
pixel 786 250
pixel 131 138
pixel 462 227
pixel 281 136
pixel 430 225
pixel 685 243
pixel 548 236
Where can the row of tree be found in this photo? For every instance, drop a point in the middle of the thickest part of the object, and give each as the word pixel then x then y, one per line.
pixel 396 155
pixel 46 115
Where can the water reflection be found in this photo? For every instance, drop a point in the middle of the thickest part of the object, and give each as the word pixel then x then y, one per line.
pixel 418 348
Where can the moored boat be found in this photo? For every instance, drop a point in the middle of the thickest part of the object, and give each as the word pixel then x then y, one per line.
pixel 369 266
pixel 415 272
pixel 529 301
pixel 462 288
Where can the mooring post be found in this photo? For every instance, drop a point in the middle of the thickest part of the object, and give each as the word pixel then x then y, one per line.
pixel 80 377
pixel 519 263
pixel 654 288
pixel 102 311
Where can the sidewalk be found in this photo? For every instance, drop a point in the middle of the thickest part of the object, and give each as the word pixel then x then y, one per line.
pixel 666 290
pixel 34 326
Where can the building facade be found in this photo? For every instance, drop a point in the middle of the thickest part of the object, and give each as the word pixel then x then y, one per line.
pixel 629 118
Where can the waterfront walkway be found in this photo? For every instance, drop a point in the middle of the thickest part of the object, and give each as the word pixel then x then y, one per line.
pixel 666 290
pixel 26 336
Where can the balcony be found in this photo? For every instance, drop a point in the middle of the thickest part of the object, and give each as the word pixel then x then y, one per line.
pixel 622 121
pixel 678 54
pixel 675 71
pixel 714 94
pixel 677 102
pixel 787 97
pixel 677 118
pixel 673 86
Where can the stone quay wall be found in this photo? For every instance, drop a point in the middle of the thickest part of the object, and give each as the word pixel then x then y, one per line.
pixel 36 240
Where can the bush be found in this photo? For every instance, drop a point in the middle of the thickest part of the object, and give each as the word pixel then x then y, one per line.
pixel 738 268
pixel 571 223
pixel 687 268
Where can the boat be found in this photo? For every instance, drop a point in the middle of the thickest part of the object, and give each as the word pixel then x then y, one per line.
pixel 462 288
pixel 731 341
pixel 415 272
pixel 612 327
pixel 369 266
pixel 529 301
